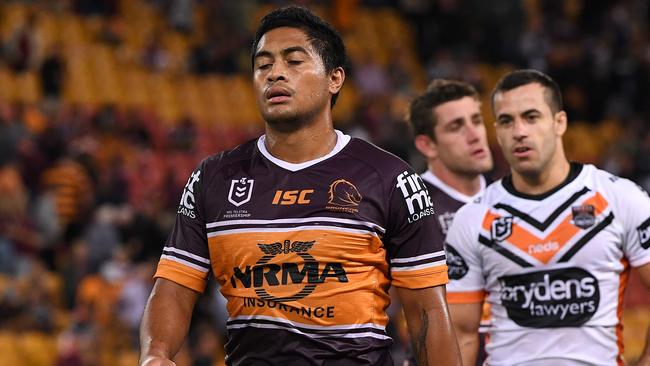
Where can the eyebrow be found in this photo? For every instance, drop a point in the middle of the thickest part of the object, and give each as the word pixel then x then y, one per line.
pixel 529 111
pixel 284 52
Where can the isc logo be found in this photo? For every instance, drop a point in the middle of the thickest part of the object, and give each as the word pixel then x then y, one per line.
pixel 292 197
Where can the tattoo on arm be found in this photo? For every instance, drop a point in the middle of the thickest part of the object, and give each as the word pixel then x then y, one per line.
pixel 420 339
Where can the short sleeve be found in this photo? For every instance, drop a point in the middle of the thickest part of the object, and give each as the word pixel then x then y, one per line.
pixel 185 258
pixel 466 280
pixel 414 241
pixel 634 214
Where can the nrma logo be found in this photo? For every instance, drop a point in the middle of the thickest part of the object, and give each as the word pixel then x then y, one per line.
pixel 416 196
pixel 264 275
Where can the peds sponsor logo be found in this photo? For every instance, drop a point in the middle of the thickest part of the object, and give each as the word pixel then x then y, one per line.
pixel 644 234
pixel 566 297
pixel 186 207
pixel 343 196
pixel 416 196
pixel 265 276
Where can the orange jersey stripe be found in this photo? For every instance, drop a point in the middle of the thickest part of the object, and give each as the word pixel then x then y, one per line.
pixel 619 310
pixel 465 297
pixel 183 275
pixel 421 278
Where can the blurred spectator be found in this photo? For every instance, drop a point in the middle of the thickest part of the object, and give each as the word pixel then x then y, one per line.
pixel 155 56
pixel 24 45
pixel 52 73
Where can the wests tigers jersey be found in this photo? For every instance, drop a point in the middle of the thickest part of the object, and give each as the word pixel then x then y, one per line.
pixel 305 253
pixel 554 266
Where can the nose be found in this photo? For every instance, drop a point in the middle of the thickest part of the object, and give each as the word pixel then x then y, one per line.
pixel 472 133
pixel 277 72
pixel 520 130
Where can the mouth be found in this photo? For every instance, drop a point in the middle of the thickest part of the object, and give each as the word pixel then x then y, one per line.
pixel 277 95
pixel 522 151
pixel 479 153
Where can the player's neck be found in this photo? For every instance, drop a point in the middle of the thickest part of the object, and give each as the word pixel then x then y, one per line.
pixel 550 177
pixel 308 143
pixel 467 184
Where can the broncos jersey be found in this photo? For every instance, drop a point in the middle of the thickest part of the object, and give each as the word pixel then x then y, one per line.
pixel 554 266
pixel 448 200
pixel 305 253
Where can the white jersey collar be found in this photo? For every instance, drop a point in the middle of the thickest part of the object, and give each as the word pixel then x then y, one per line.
pixel 341 141
pixel 449 190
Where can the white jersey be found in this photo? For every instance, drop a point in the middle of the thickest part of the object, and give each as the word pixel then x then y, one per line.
pixel 554 266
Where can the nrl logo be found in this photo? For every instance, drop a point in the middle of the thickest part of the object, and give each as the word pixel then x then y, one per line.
pixel 501 228
pixel 240 191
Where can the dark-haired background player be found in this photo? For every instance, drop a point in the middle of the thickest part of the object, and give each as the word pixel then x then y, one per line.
pixel 552 244
pixel 449 131
pixel 304 228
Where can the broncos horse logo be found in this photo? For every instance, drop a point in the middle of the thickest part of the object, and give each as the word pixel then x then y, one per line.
pixel 343 193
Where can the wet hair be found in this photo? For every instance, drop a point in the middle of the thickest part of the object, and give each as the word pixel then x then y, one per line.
pixel 518 78
pixel 323 37
pixel 421 117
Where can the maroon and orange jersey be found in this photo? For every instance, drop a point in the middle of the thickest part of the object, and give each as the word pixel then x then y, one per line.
pixel 305 253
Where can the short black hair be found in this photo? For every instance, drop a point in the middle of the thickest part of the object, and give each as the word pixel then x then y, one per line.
pixel 523 77
pixel 440 91
pixel 323 37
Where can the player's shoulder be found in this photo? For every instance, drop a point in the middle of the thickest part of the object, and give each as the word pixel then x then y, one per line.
pixel 614 185
pixel 225 158
pixel 380 160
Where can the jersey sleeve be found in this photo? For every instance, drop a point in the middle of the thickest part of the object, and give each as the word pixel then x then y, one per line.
pixel 413 240
pixel 466 280
pixel 185 258
pixel 635 217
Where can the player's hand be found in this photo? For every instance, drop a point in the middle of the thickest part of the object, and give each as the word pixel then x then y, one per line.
pixel 157 361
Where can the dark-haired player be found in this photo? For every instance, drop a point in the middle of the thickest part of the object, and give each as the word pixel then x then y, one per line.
pixel 449 131
pixel 552 243
pixel 304 228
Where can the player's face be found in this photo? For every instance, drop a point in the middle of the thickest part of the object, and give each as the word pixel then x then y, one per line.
pixel 527 130
pixel 291 85
pixel 461 139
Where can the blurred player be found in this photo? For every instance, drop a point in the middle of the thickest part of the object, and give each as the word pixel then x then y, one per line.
pixel 304 228
pixel 450 132
pixel 551 244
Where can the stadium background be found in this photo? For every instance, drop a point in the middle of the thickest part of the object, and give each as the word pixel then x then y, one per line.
pixel 106 106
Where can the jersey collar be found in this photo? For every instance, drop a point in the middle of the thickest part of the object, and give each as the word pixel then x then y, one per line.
pixel 341 141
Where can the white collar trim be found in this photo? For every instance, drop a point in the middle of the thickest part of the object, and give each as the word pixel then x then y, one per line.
pixel 452 192
pixel 341 141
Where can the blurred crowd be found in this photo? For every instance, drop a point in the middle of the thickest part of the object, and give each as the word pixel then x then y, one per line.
pixel 88 191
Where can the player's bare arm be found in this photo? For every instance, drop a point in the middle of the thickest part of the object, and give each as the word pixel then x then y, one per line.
pixel 165 322
pixel 644 274
pixel 466 319
pixel 429 323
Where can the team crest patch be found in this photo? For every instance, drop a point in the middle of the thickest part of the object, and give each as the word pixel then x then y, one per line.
pixel 343 196
pixel 501 228
pixel 445 219
pixel 240 191
pixel 584 216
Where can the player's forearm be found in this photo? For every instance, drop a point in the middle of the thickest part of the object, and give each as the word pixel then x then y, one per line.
pixel 434 342
pixel 429 322
pixel 165 321
pixel 468 343
pixel 644 360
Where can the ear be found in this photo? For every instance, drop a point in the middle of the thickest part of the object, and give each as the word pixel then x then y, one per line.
pixel 426 146
pixel 337 77
pixel 561 122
